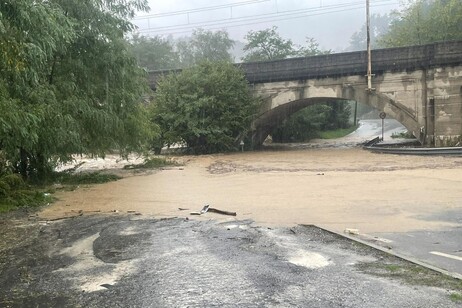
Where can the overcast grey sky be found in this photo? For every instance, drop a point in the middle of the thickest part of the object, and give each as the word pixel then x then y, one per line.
pixel 330 22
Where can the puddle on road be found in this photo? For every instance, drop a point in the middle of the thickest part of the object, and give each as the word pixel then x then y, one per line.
pixel 88 272
pixel 335 188
pixel 311 260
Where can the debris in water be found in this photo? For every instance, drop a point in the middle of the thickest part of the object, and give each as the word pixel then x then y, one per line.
pixel 203 211
pixel 213 210
pixel 65 217
pixel 207 208
pixel 352 231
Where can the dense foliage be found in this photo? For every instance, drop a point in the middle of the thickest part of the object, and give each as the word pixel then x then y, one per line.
pixel 14 193
pixel 307 123
pixel 208 106
pixel 380 25
pixel 205 45
pixel 68 84
pixel 154 53
pixel 424 21
pixel 267 45
pixel 157 53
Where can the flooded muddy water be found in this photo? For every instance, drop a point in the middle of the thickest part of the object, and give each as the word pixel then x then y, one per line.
pixel 336 188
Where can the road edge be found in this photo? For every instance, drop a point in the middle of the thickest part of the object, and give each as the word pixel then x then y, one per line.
pixel 390 252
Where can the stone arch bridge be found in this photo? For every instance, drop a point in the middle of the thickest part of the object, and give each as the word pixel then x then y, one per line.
pixel 420 86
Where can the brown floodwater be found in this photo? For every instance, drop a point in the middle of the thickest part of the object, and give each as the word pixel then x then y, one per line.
pixel 334 188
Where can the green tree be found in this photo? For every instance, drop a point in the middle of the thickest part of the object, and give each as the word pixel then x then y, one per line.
pixel 339 115
pixel 424 21
pixel 311 49
pixel 154 53
pixel 68 83
pixel 380 25
pixel 208 107
pixel 267 45
pixel 205 45
pixel 303 125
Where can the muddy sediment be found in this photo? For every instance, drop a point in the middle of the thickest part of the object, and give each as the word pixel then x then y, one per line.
pixel 333 187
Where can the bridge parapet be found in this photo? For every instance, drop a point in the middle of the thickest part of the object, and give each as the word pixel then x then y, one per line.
pixel 347 64
pixel 355 63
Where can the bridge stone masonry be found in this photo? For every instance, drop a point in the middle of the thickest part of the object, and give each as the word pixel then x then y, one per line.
pixel 420 86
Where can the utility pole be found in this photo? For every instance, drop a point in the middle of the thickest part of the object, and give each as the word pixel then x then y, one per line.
pixel 369 60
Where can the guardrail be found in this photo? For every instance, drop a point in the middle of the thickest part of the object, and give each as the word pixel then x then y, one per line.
pixel 453 151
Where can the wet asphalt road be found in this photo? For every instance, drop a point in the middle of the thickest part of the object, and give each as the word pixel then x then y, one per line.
pixel 124 261
pixel 370 129
pixel 442 249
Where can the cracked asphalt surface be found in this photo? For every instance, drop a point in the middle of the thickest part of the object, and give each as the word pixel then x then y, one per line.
pixel 132 261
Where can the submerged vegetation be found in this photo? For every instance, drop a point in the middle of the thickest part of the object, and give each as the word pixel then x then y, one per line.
pixel 153 163
pixel 403 135
pixel 15 192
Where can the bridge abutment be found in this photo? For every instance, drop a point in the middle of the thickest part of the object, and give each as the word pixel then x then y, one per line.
pixel 445 106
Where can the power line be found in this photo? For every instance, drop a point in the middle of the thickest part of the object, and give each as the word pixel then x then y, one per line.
pixel 268 16
pixel 263 18
pixel 279 13
pixel 201 9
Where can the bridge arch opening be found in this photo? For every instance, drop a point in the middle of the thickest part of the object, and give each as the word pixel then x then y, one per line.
pixel 273 117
